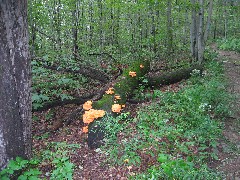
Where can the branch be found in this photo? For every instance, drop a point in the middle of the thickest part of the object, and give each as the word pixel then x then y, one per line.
pixel 86 71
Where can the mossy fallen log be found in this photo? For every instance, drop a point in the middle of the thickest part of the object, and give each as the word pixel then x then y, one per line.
pixel 123 87
pixel 172 77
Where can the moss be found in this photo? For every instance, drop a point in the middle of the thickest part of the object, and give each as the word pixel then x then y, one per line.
pixel 124 86
pixel 104 103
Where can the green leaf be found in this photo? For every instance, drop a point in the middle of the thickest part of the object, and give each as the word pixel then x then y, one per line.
pixel 162 158
pixel 22 177
pixel 65 96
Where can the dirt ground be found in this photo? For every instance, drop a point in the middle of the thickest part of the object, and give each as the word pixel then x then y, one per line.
pixel 229 146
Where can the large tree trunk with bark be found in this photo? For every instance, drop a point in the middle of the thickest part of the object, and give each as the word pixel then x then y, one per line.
pixel 15 97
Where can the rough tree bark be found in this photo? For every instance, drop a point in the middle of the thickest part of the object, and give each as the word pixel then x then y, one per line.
pixel 15 97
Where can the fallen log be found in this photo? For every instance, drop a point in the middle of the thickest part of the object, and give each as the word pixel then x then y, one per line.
pixel 171 77
pixel 124 86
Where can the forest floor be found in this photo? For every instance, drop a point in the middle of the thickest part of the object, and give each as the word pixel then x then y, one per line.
pixel 92 165
pixel 229 147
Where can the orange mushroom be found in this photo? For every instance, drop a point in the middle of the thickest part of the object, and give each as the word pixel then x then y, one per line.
pixel 116 108
pixel 99 113
pixel 87 105
pixel 85 129
pixel 117 97
pixel 92 114
pixel 132 73
pixel 88 118
pixel 110 91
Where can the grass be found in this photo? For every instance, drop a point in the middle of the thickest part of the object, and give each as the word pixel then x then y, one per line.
pixel 177 133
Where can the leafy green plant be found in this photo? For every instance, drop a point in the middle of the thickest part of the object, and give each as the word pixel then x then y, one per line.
pixel 57 156
pixel 23 169
pixel 177 169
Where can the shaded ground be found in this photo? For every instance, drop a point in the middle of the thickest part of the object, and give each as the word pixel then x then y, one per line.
pixel 229 147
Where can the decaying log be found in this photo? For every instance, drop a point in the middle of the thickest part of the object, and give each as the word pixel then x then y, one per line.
pixel 123 87
pixel 172 77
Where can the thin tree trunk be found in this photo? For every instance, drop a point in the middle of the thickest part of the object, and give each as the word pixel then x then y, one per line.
pixel 91 24
pixel 169 28
pixel 100 6
pixel 75 17
pixel 200 32
pixel 210 9
pixel 193 31
pixel 225 20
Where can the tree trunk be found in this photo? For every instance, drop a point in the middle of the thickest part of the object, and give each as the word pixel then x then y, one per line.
pixel 169 28
pixel 193 31
pixel 75 16
pixel 15 97
pixel 200 32
pixel 210 9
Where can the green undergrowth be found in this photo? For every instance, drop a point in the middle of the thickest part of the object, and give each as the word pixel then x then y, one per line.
pixel 55 159
pixel 232 44
pixel 176 135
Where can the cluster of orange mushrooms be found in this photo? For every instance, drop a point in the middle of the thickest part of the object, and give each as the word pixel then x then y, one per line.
pixel 91 114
